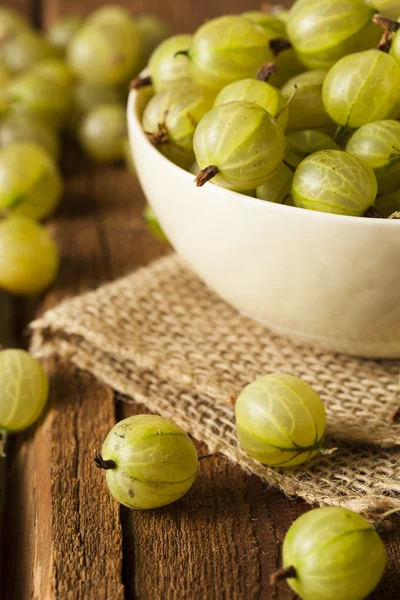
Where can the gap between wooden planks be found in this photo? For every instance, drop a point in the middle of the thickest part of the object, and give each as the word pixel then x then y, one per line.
pixel 66 538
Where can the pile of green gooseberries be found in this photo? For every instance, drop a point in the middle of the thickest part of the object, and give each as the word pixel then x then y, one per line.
pixel 72 80
pixel 297 107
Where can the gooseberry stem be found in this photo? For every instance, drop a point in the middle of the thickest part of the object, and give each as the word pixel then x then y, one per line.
pixel 265 72
pixel 160 137
pixel 373 213
pixel 278 45
pixel 103 464
pixel 386 23
pixel 206 174
pixel 286 573
pixel 140 82
pixel 390 28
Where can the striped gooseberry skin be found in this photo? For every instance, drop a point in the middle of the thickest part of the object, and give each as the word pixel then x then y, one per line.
pixel 362 88
pixel 301 144
pixel 24 390
pixel 155 461
pixel 323 31
pixel 278 188
pixel 243 141
pixel 280 420
pixel 335 182
pixel 179 109
pixel 378 145
pixel 261 93
pixel 336 554
pixel 227 49
pixel 166 67
pixel 306 109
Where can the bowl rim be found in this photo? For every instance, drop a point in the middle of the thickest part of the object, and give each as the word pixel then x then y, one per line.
pixel 135 129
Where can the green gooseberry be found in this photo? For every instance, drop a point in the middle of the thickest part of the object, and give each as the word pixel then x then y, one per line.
pixel 323 31
pixel 24 390
pixel 33 94
pixel 301 144
pixel 261 93
pixel 378 145
pixel 30 181
pixel 171 117
pixel 238 145
pixel 61 33
pixel 149 461
pixel 362 88
pixel 280 420
pixel 306 109
pixel 332 553
pixel 227 49
pixel 336 182
pixel 167 67
pixel 278 188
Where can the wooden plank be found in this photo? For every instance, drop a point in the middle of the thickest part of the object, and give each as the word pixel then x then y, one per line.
pixel 6 320
pixel 182 17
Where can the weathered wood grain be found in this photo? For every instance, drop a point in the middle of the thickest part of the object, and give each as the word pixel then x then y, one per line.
pixel 65 537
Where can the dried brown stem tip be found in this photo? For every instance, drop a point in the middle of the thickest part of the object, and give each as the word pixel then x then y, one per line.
pixel 373 213
pixel 103 464
pixel 386 23
pixel 385 42
pixel 206 174
pixel 266 71
pixel 160 137
pixel 279 44
pixel 140 82
pixel 390 27
pixel 286 573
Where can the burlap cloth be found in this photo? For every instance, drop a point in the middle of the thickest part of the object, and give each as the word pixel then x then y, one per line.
pixel 164 339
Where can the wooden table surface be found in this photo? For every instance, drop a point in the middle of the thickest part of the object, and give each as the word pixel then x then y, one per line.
pixel 65 537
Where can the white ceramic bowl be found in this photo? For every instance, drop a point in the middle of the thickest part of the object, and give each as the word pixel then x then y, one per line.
pixel 329 280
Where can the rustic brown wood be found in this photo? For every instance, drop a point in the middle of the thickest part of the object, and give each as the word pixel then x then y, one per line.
pixel 6 320
pixel 65 536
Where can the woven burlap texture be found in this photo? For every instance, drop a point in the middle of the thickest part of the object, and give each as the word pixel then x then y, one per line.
pixel 161 337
